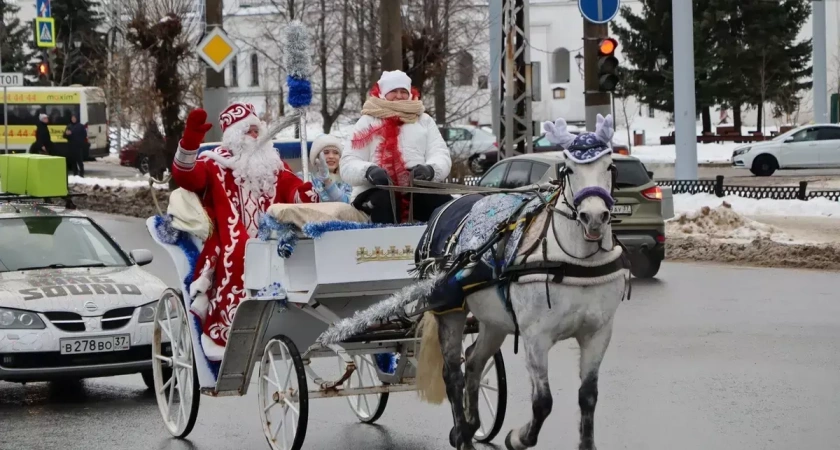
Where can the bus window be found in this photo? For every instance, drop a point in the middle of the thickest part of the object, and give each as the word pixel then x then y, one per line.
pixel 60 114
pixel 24 114
pixel 96 114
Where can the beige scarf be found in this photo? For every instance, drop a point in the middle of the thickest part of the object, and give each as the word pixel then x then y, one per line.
pixel 409 111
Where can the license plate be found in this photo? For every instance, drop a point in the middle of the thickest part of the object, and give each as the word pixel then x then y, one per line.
pixel 622 209
pixel 99 344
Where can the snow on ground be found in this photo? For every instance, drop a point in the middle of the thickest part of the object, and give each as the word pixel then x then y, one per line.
pixel 818 207
pixel 112 182
pixel 667 154
pixel 721 223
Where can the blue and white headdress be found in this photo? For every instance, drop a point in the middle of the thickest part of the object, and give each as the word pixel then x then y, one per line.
pixel 585 147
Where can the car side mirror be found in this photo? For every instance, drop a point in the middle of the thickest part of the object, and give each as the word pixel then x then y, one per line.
pixel 141 256
pixel 788 140
pixel 650 174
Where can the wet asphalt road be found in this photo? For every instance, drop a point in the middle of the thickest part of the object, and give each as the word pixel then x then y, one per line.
pixel 706 357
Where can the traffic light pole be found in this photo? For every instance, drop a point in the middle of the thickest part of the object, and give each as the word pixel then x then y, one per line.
pixel 215 91
pixel 685 116
pixel 596 102
pixel 820 76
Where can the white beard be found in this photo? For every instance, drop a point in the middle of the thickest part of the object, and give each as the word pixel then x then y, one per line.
pixel 254 168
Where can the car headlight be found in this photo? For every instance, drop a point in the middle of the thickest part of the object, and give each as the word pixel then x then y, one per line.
pixel 15 319
pixel 148 311
pixel 741 151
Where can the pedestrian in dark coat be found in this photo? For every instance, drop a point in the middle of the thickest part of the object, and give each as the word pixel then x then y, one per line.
pixel 76 139
pixel 43 142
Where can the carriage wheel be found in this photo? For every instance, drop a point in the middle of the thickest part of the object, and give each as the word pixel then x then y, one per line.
pixel 369 407
pixel 492 394
pixel 174 373
pixel 284 395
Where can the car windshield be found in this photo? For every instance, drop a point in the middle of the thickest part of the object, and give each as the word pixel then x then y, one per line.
pixel 54 242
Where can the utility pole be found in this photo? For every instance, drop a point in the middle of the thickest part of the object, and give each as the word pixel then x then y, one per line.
pixel 685 118
pixel 596 102
pixel 390 26
pixel 820 76
pixel 215 92
pixel 496 66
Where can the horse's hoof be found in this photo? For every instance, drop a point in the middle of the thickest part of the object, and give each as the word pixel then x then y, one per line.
pixel 454 439
pixel 508 443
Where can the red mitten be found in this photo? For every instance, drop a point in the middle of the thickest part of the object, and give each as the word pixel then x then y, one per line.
pixel 195 129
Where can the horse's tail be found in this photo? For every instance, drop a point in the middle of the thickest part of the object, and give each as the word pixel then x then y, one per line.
pixel 430 384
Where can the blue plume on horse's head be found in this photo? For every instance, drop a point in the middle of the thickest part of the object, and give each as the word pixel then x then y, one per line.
pixel 587 148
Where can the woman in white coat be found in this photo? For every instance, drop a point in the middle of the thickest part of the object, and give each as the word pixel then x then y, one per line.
pixel 393 142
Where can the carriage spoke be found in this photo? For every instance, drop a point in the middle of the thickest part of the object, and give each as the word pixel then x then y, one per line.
pixel 488 368
pixel 488 387
pixel 165 385
pixel 487 401
pixel 266 378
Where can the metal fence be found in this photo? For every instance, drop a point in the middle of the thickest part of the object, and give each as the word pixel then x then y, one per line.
pixel 719 188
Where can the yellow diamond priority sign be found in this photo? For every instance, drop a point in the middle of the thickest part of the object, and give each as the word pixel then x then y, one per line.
pixel 217 49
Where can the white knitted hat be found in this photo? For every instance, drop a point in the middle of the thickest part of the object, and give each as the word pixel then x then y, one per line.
pixel 390 81
pixel 320 143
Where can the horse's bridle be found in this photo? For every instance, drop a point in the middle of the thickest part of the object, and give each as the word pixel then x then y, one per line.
pixel 564 180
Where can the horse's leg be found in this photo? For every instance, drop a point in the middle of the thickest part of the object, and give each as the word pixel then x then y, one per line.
pixel 592 349
pixel 536 360
pixel 451 335
pixel 486 345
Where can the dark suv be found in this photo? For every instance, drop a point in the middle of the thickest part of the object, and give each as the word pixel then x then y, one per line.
pixel 638 215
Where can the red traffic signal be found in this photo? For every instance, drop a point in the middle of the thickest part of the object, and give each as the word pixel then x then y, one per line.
pixel 42 68
pixel 607 47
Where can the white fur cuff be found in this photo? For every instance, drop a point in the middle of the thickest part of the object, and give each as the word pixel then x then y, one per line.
pixel 185 159
pixel 212 350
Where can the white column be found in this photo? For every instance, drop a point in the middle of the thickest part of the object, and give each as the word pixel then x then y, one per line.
pixel 820 76
pixel 684 110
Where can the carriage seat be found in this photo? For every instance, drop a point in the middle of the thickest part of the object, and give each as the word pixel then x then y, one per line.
pixel 299 214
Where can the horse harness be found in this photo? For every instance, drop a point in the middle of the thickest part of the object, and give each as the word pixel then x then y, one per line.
pixel 556 271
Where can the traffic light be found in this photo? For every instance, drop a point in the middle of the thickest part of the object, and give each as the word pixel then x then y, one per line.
pixel 607 65
pixel 42 69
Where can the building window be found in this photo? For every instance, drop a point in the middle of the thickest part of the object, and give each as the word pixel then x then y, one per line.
pixel 482 82
pixel 559 93
pixel 560 66
pixel 255 70
pixel 234 72
pixel 465 69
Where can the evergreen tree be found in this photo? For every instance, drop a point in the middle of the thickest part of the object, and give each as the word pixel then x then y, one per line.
pixel 778 64
pixel 78 21
pixel 646 38
pixel 14 37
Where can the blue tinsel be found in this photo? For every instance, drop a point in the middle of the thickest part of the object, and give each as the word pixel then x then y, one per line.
pixel 300 91
pixel 286 234
pixel 169 235
pixel 387 362
pixel 317 229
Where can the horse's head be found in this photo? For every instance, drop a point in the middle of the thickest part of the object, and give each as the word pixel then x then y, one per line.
pixel 587 177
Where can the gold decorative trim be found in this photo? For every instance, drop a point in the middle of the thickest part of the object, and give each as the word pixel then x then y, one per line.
pixel 391 254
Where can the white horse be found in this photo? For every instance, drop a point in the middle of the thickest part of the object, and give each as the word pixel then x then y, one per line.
pixel 575 295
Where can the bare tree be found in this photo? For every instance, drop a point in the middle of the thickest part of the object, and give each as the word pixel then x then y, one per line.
pixel 328 116
pixel 159 30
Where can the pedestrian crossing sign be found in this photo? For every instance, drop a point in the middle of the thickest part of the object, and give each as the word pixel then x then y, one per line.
pixel 45 32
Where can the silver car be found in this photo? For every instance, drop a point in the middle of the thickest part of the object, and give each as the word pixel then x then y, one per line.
pixel 73 304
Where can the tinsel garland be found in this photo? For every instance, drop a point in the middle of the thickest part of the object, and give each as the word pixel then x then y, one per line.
pixel 300 91
pixel 168 235
pixel 286 234
pixel 298 65
pixel 317 229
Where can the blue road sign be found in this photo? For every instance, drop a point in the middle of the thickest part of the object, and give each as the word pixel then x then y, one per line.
pixel 599 11
pixel 42 8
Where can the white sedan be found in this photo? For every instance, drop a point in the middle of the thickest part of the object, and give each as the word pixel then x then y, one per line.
pixel 73 304
pixel 806 147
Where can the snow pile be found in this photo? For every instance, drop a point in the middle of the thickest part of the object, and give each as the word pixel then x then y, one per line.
pixel 112 183
pixel 720 223
pixel 817 207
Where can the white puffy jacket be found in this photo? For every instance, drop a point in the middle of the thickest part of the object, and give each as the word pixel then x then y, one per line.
pixel 420 142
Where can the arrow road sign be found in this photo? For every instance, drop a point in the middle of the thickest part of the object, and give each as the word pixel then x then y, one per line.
pixel 10 79
pixel 599 11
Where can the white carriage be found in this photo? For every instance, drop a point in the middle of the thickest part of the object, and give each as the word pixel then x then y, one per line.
pixel 324 280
